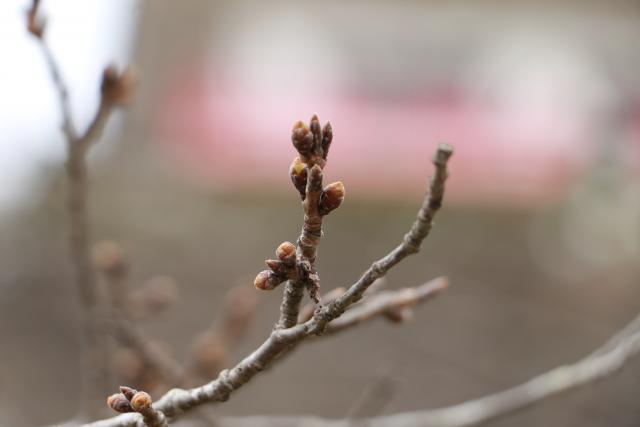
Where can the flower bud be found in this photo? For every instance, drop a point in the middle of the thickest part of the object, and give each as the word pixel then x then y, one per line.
pixel 141 401
pixel 286 252
pixel 298 174
pixel 332 196
pixel 267 280
pixel 117 88
pixel 316 131
pixel 119 403
pixel 128 392
pixel 302 138
pixel 327 137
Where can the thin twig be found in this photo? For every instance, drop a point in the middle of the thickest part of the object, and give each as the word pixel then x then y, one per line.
pixel 618 351
pixel 410 244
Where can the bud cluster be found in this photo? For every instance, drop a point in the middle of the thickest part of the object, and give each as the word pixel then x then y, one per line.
pixel 312 142
pixel 279 270
pixel 129 400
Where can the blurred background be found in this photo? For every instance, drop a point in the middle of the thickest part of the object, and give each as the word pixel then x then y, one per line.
pixel 540 233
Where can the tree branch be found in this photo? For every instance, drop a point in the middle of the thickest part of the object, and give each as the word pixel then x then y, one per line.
pixel 603 362
pixel 282 341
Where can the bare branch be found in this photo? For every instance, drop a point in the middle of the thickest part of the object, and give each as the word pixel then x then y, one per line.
pixel 410 245
pixel 605 361
pixel 284 340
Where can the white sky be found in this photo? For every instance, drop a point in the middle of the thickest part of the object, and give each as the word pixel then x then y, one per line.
pixel 85 35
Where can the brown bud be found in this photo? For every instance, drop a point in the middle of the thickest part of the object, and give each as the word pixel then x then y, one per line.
pixel 278 267
pixel 327 137
pixel 119 403
pixel 332 196
pixel 117 88
pixel 109 257
pixel 267 280
pixel 302 138
pixel 141 401
pixel 35 25
pixel 128 392
pixel 286 252
pixel 316 131
pixel 298 174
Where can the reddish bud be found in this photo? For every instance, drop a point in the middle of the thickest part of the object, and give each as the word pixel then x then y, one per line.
pixel 128 392
pixel 119 403
pixel 286 251
pixel 316 131
pixel 302 138
pixel 141 401
pixel 298 174
pixel 327 137
pixel 267 280
pixel 332 196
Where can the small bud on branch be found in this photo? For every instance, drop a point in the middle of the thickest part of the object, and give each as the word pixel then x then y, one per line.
pixel 119 403
pixel 298 174
pixel 117 87
pixel 267 280
pixel 332 196
pixel 35 25
pixel 286 252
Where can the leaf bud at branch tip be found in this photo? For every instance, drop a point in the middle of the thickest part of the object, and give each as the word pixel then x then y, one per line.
pixel 332 196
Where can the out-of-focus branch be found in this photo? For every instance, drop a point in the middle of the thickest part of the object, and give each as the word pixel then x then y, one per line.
pixel 95 364
pixel 284 340
pixel 602 363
